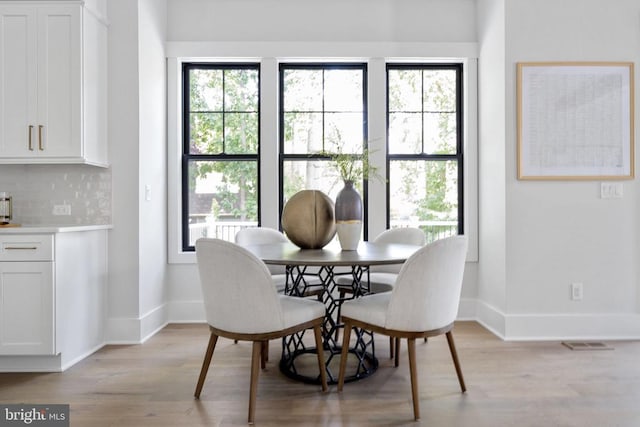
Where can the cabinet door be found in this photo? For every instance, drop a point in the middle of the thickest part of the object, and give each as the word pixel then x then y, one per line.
pixel 58 128
pixel 18 80
pixel 27 308
pixel 40 82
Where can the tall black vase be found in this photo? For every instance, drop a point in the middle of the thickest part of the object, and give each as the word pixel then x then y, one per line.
pixel 348 214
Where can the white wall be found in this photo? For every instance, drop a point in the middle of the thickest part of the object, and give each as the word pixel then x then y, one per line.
pixel 273 30
pixel 327 20
pixel 137 142
pixel 492 285
pixel 152 183
pixel 123 296
pixel 535 237
pixel 554 232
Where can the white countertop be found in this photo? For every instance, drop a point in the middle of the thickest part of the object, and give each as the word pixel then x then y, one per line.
pixel 42 228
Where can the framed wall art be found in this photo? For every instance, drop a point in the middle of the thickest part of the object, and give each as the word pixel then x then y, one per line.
pixel 575 120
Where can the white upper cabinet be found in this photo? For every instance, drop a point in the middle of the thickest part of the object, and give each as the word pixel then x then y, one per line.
pixel 52 84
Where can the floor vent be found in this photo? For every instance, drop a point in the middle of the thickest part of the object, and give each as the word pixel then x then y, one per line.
pixel 586 345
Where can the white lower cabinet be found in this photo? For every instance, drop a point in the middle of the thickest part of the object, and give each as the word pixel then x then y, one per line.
pixel 52 299
pixel 27 295
pixel 27 308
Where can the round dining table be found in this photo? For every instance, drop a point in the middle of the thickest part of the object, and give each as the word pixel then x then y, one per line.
pixel 312 273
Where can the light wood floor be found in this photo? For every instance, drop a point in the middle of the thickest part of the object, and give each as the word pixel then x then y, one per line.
pixel 509 384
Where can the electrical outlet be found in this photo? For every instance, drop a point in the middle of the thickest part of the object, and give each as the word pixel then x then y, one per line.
pixel 576 291
pixel 62 209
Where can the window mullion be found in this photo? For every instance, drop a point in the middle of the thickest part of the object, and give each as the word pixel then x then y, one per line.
pixel 224 112
pixel 422 100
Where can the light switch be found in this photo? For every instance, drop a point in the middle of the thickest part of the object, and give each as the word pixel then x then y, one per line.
pixel 611 190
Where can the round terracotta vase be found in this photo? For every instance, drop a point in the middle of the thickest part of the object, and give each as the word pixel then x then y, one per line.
pixel 348 217
pixel 308 219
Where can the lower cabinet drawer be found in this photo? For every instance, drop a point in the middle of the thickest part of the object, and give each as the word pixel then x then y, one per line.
pixel 26 247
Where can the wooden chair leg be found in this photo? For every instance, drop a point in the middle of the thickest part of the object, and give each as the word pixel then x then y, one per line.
pixel 264 354
pixel 317 332
pixel 391 347
pixel 411 347
pixel 343 356
pixel 397 346
pixel 255 369
pixel 338 317
pixel 208 355
pixel 456 362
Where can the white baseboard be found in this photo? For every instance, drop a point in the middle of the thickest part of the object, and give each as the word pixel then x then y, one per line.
pixel 491 318
pixel 153 322
pixel 66 364
pixel 573 327
pixel 193 311
pixel 136 330
pixel 532 327
pixel 559 327
pixel 123 330
pixel 30 364
pixel 529 327
pixel 509 327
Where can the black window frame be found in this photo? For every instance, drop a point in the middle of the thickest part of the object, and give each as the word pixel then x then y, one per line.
pixel 458 156
pixel 282 156
pixel 186 156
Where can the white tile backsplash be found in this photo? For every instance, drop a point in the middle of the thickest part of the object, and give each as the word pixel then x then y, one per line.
pixel 36 189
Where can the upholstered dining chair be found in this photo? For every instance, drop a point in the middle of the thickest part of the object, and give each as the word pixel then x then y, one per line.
pixel 265 235
pixel 241 303
pixel 383 277
pixel 423 303
pixel 261 236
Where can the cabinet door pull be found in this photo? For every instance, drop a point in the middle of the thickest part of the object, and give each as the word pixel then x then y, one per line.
pixel 40 147
pixel 30 137
pixel 15 248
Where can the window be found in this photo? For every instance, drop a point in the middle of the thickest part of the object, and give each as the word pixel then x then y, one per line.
pixel 424 127
pixel 410 114
pixel 221 140
pixel 322 109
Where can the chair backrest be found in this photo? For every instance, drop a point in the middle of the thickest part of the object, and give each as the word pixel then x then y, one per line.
pixel 262 236
pixel 405 235
pixel 239 294
pixel 426 294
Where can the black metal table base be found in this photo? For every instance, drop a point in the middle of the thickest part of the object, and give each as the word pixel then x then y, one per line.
pixel 362 361
pixel 367 364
